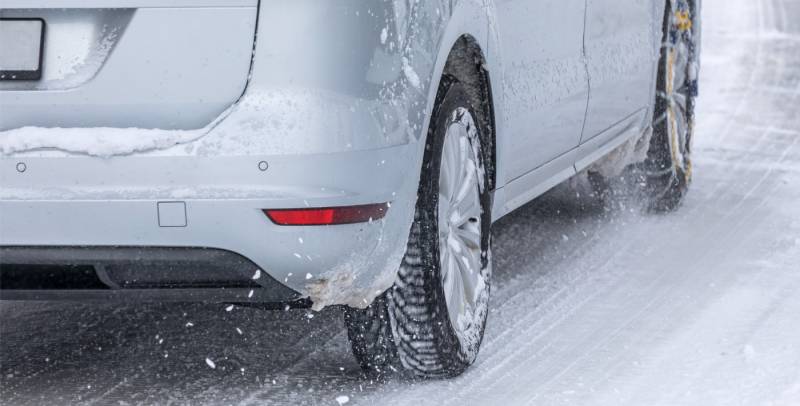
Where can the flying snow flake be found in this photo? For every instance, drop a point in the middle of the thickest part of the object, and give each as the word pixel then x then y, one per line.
pixel 211 363
pixel 300 240
pixel 189 324
pixel 238 330
pixel 251 293
pixel 229 308
pixel 342 399
pixel 257 274
pixel 411 75
pixel 384 35
pixel 309 276
pixel 298 256
pixel 749 353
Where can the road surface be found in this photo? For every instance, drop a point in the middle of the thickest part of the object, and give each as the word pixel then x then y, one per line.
pixel 592 305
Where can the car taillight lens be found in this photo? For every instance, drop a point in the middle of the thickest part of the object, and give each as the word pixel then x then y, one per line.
pixel 327 216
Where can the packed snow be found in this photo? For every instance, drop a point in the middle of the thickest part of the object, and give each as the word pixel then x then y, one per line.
pixel 102 142
pixel 591 304
pixel 411 74
pixel 211 363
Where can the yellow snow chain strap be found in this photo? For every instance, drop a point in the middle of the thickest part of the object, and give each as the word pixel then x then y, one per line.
pixel 683 20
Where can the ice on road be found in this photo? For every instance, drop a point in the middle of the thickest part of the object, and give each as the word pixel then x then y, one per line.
pixel 591 306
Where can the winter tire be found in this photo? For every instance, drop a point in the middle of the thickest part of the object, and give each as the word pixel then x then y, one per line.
pixel 430 324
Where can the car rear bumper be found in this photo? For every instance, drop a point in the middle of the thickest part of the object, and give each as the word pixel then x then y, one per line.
pixel 217 203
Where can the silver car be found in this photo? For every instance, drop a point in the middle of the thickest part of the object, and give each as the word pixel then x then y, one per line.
pixel 307 153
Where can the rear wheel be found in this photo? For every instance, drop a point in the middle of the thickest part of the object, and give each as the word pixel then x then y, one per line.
pixel 431 322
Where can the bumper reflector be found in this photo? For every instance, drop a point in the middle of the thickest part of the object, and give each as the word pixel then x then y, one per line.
pixel 328 215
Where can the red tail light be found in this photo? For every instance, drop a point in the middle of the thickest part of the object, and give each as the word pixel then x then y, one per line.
pixel 327 216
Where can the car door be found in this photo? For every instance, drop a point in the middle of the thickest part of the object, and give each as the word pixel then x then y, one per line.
pixel 545 84
pixel 621 58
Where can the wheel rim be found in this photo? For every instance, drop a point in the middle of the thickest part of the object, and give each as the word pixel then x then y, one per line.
pixel 459 209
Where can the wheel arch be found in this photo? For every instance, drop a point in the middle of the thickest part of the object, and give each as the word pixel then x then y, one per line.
pixel 467 63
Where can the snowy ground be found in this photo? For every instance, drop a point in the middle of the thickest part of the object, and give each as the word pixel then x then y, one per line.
pixel 590 306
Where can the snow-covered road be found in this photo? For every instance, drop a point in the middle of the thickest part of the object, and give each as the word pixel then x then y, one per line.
pixel 591 305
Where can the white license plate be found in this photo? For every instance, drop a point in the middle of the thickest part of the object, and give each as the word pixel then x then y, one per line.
pixel 21 41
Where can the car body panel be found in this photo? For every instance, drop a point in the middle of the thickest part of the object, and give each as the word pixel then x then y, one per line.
pixel 338 113
pixel 545 84
pixel 620 59
pixel 114 4
pixel 166 68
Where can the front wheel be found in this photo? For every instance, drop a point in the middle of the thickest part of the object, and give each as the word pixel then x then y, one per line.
pixel 662 177
pixel 431 322
pixel 668 167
